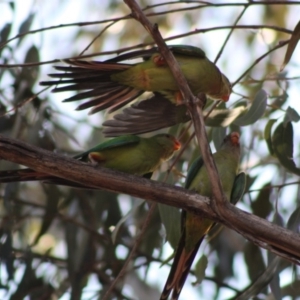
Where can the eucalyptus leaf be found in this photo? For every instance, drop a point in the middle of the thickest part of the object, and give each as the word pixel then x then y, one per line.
pixel 294 220
pixel 171 219
pixel 224 117
pixel 255 111
pixel 51 210
pixel 129 215
pixel 275 282
pixel 268 136
pixel 282 143
pixel 291 115
pixel 260 282
pixel 4 34
pixel 200 269
pixel 262 206
pixel 291 46
pixel 25 26
pixel 218 135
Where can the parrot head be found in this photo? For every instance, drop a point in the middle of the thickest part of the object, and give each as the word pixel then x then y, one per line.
pixel 232 141
pixel 225 91
pixel 235 138
pixel 169 143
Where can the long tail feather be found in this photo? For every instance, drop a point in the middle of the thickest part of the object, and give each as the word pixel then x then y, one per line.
pixel 180 269
pixel 93 80
pixel 24 175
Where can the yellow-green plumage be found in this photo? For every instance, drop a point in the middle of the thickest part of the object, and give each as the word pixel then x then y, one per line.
pixel 111 84
pixel 136 155
pixel 129 154
pixel 202 75
pixel 195 227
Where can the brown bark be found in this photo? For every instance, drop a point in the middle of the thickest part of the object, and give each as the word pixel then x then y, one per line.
pixel 277 239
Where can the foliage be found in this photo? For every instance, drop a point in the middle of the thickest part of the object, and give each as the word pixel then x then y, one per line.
pixel 59 241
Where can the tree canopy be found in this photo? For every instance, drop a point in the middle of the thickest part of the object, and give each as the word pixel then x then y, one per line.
pixel 111 242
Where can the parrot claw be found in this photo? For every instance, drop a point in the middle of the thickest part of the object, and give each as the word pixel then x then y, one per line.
pixel 178 98
pixel 95 159
pixel 159 61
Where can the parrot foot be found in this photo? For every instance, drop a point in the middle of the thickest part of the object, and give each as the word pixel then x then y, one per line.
pixel 158 60
pixel 178 98
pixel 95 158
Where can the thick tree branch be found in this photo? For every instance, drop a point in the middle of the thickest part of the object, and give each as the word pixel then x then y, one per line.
pixel 191 102
pixel 265 234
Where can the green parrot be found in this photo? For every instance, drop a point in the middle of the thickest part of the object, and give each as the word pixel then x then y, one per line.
pixel 194 227
pixel 128 153
pixel 111 84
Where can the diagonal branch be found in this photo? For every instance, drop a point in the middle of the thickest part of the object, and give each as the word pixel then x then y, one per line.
pixel 191 102
pixel 279 240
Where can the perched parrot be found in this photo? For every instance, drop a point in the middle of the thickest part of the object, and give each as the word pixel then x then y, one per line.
pixel 194 227
pixel 129 154
pixel 111 84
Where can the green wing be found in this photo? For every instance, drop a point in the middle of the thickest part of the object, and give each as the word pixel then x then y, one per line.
pixel 146 53
pixel 195 167
pixel 120 141
pixel 187 50
pixel 238 188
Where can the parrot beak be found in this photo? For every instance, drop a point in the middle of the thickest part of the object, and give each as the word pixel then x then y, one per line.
pixel 235 138
pixel 225 98
pixel 177 144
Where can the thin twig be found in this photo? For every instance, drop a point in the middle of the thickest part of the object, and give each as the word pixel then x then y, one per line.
pixel 137 242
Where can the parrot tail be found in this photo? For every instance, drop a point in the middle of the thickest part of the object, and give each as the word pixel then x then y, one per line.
pixel 180 269
pixel 32 175
pixel 22 175
pixel 95 78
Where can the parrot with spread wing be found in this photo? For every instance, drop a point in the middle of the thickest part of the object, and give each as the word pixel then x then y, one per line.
pixel 112 84
pixel 195 227
pixel 158 112
pixel 128 153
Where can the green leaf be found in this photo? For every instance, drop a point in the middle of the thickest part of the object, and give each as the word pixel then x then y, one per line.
pixel 53 196
pixel 152 238
pixel 254 260
pixel 262 205
pixel 294 220
pixel 268 136
pixel 282 142
pixel 5 32
pixel 128 216
pixel 275 281
pixel 291 46
pixel 218 135
pixel 224 117
pixel 30 74
pixel 25 26
pixel 12 5
pixel 291 115
pixel 256 110
pixel 171 219
pixel 6 256
pixel 200 269
pixel 259 283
